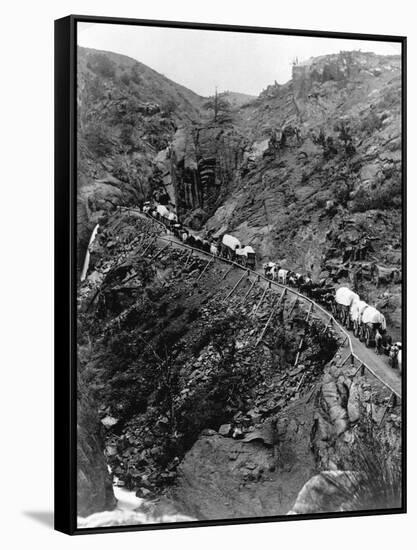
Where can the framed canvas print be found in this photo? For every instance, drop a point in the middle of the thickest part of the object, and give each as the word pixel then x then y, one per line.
pixel 230 274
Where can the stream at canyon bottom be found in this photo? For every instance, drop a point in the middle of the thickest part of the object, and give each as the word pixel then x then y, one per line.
pixel 130 510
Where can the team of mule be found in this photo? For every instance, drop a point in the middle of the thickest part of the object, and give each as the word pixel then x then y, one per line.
pixel 227 246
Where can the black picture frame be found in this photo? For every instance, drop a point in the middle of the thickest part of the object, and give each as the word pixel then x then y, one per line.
pixel 65 268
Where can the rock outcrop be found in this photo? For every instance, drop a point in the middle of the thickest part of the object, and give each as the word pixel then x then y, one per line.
pixel 94 482
pixel 308 173
pixel 259 475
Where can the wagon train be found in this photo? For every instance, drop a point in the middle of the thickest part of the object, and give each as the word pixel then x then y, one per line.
pixel 367 323
pixel 228 246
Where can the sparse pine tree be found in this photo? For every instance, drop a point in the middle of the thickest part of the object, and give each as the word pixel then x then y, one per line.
pixel 220 107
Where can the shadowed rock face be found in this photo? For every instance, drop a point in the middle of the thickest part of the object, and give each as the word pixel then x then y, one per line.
pixel 309 175
pixel 94 483
pixel 127 114
pixel 325 492
pixel 221 477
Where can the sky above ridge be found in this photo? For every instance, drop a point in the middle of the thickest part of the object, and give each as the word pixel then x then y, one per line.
pixel 204 60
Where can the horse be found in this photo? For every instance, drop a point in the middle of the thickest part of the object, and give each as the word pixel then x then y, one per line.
pixel 282 276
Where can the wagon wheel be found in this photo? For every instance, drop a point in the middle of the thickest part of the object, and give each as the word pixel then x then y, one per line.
pixel 393 362
pixel 356 330
pixel 367 337
pixel 346 319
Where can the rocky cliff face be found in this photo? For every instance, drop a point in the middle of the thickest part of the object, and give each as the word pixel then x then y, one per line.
pixel 309 174
pixel 336 448
pixel 127 114
pixel 201 416
pixel 168 359
pixel 319 188
pixel 94 483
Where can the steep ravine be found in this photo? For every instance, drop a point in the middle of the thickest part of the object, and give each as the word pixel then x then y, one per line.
pixel 228 428
pixel 308 173
pixel 336 448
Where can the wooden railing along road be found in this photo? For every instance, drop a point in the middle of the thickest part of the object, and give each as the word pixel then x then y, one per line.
pixel 356 349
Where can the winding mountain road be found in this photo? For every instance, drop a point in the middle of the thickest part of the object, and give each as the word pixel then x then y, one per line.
pixel 377 365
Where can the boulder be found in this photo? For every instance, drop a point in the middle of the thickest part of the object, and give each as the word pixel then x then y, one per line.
pixel 353 405
pixel 225 429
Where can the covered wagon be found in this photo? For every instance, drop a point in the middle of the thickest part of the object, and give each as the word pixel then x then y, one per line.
pixel 172 219
pixel 356 310
pixel 162 211
pixel 250 257
pixel 344 298
pixel 199 242
pixel 146 208
pixel 177 230
pixel 373 321
pixel 246 256
pixel 229 245
pixel 184 235
pixel 240 256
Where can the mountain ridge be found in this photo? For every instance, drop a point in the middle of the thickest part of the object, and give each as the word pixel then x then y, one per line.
pixel 293 171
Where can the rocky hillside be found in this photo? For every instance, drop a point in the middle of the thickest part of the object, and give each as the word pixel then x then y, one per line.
pixel 319 188
pixel 309 174
pixel 94 483
pixel 127 114
pixel 195 412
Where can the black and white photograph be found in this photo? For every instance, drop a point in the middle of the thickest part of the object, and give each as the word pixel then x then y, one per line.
pixel 239 275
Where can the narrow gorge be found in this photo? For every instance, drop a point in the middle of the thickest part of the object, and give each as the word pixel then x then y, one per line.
pixel 205 392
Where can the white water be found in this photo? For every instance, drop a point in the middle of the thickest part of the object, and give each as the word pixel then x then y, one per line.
pixel 130 510
pixel 87 254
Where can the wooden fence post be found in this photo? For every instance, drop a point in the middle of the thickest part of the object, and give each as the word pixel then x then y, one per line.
pixel 293 306
pixel 249 291
pixel 391 403
pixel 188 257
pixel 227 272
pixel 148 246
pixel 274 308
pixel 205 268
pixel 159 253
pixel 345 360
pixel 310 310
pixel 297 357
pixel 235 287
pixel 260 301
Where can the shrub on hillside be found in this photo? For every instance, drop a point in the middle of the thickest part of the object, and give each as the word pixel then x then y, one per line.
pixel 125 79
pixel 320 202
pixel 95 89
pixel 371 123
pixel 391 97
pixel 385 196
pixel 373 473
pixel 102 65
pixel 341 192
pixel 135 76
pixel 126 135
pixel 97 139
pixel 168 107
